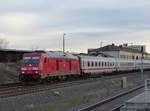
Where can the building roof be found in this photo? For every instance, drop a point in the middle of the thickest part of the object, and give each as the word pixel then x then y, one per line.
pixel 115 48
pixel 14 50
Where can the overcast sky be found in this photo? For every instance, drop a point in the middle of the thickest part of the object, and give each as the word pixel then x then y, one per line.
pixel 40 24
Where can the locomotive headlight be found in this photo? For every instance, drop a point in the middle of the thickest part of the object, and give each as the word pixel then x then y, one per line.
pixel 35 68
pixel 36 72
pixel 23 68
pixel 22 72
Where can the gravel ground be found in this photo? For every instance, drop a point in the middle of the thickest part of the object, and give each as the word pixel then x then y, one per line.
pixel 68 98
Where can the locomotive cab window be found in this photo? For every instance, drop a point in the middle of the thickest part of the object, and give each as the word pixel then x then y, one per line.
pixel 31 59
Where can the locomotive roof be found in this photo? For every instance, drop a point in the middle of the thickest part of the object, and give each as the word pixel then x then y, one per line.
pixel 59 54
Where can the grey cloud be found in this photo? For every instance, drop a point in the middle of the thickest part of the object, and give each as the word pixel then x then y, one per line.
pixel 84 19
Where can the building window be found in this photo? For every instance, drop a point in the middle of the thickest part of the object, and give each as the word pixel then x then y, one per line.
pixel 133 57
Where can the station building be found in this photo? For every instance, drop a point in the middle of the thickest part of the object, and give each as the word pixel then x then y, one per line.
pixel 122 51
pixel 11 55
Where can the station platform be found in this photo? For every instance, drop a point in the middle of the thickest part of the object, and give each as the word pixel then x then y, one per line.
pixel 140 102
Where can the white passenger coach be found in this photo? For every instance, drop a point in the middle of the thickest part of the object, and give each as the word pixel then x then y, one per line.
pixel 98 64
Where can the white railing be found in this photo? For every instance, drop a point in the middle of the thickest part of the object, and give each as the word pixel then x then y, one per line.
pixel 147 90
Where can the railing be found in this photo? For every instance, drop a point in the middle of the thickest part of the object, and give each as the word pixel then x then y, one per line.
pixel 147 90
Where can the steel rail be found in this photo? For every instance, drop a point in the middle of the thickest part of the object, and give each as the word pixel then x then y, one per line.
pixel 106 101
pixel 117 108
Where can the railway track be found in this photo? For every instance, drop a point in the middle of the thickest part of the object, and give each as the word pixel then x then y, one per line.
pixel 20 89
pixel 9 90
pixel 15 89
pixel 25 89
pixel 99 106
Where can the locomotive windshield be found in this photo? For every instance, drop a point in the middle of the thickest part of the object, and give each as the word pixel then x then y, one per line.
pixel 31 59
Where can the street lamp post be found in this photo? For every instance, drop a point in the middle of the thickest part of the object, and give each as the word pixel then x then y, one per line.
pixel 142 51
pixel 64 43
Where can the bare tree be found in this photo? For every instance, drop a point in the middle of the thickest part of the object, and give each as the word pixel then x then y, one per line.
pixel 3 43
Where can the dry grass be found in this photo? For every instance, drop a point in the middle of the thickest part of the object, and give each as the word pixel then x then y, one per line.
pixel 75 101
pixel 8 72
pixel 62 104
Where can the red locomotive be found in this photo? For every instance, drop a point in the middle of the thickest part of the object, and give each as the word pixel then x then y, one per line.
pixel 48 65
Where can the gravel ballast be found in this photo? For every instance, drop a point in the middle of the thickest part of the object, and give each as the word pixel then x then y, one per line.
pixel 66 99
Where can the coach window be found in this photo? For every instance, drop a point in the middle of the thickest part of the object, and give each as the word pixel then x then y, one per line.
pixel 83 64
pixel 108 64
pixel 92 64
pixel 99 64
pixel 105 64
pixel 96 64
pixel 88 64
pixel 102 64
